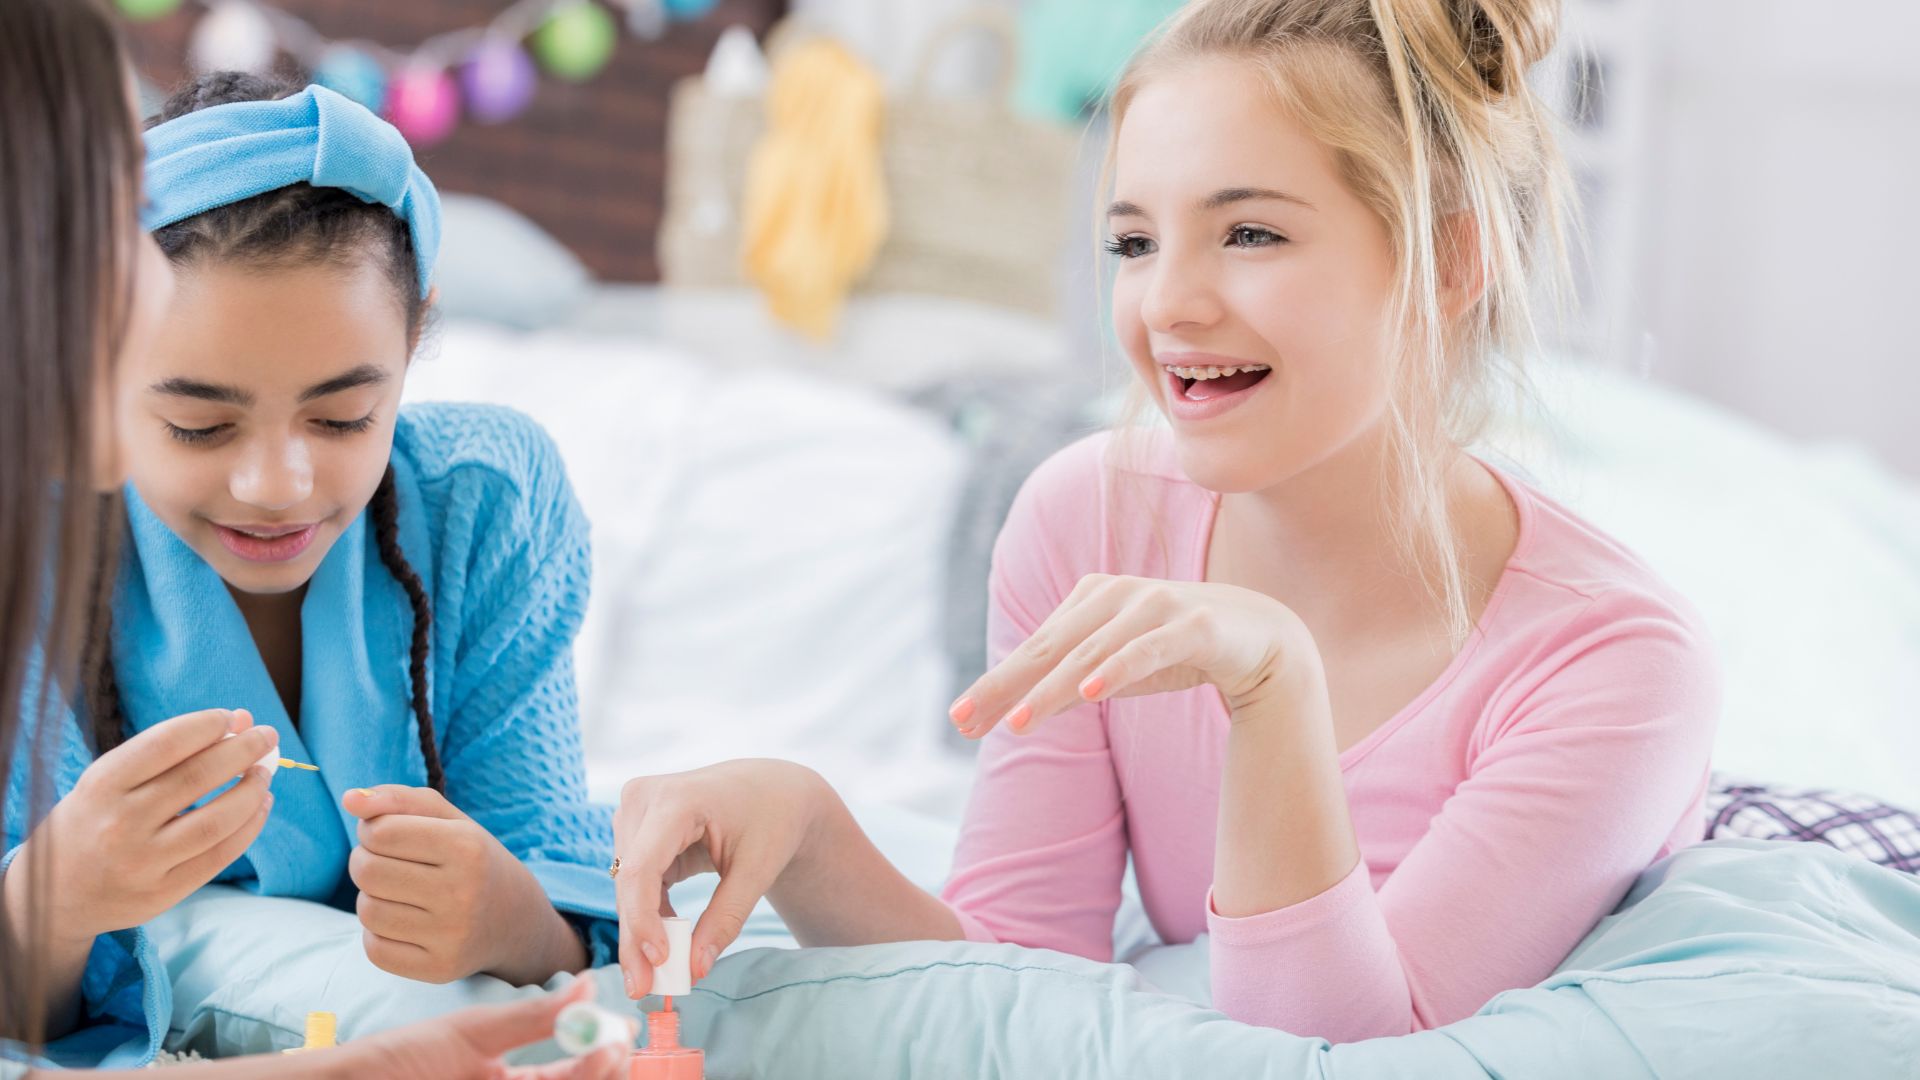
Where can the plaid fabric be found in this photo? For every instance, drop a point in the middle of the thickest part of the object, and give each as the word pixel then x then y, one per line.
pixel 1857 824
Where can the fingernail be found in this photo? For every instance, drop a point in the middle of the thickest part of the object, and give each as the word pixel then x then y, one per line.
pixel 633 988
pixel 1017 719
pixel 652 953
pixel 365 793
pixel 238 721
pixel 710 957
pixel 962 711
pixel 1092 687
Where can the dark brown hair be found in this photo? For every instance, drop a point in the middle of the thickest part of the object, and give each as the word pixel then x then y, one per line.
pixel 69 180
pixel 299 225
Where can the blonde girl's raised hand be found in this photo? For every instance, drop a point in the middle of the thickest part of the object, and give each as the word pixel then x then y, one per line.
pixel 1128 636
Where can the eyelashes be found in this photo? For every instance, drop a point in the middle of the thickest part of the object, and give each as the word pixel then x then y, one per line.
pixel 196 436
pixel 1133 245
pixel 206 435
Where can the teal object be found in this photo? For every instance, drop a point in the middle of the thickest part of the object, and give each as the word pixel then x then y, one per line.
pixel 1732 959
pixel 686 10
pixel 1071 51
pixel 353 75
pixel 488 520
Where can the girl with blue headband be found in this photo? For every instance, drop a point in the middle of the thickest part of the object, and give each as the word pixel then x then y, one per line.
pixel 390 595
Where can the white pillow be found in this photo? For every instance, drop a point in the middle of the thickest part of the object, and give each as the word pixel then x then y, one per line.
pixel 769 559
pixel 1803 560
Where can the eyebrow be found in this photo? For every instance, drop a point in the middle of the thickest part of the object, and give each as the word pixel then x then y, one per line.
pixel 364 375
pixel 1223 197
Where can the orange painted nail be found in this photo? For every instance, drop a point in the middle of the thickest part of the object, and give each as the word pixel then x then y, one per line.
pixel 1017 719
pixel 1092 687
pixel 962 711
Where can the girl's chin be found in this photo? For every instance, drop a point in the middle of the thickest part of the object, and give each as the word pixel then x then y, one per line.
pixel 1226 469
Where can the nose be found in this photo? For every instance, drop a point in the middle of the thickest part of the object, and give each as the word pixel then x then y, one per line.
pixel 1181 295
pixel 274 475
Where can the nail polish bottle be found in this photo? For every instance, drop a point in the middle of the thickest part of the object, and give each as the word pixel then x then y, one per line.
pixel 664 1058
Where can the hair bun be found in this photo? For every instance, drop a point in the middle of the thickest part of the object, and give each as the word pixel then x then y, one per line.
pixel 223 88
pixel 1505 38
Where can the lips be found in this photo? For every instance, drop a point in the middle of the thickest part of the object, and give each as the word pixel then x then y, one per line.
pixel 267 543
pixel 1224 385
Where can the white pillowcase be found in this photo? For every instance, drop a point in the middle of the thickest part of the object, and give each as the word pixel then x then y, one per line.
pixel 769 559
pixel 1803 560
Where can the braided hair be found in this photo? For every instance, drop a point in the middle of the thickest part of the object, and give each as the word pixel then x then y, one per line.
pixel 297 225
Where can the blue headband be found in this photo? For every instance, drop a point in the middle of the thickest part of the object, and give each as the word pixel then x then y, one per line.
pixel 226 153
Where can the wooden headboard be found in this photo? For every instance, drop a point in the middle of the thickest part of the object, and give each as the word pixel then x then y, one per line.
pixel 587 161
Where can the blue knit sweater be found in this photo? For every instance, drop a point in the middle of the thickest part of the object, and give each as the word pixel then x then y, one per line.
pixel 488 521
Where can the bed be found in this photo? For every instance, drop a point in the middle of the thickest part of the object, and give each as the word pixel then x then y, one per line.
pixel 789 545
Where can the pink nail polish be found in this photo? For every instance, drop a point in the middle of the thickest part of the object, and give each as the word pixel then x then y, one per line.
pixel 664 1058
pixel 962 711
pixel 1017 719
pixel 1092 687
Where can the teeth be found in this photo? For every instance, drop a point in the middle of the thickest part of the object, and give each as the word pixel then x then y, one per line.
pixel 1202 373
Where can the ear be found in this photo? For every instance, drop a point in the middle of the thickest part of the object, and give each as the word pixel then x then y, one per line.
pixel 1463 279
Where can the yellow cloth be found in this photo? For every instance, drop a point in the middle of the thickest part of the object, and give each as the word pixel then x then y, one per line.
pixel 816 198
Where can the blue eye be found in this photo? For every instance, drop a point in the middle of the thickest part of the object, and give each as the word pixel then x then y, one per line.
pixel 1253 236
pixel 1129 247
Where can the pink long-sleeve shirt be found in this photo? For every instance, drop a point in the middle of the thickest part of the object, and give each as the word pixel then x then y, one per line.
pixel 1500 814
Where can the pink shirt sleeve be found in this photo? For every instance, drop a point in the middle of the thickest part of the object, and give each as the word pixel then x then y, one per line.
pixel 1577 778
pixel 1043 846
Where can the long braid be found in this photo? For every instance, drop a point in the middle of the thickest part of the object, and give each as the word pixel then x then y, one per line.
pixel 384 511
pixel 103 688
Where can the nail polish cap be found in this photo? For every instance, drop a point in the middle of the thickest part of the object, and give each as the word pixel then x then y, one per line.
pixel 675 977
pixel 583 1027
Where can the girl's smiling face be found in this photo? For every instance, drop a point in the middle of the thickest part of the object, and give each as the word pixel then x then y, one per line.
pixel 1241 247
pixel 259 422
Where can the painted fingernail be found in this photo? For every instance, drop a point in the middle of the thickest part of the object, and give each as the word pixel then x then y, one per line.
pixel 633 988
pixel 1092 687
pixel 962 711
pixel 652 953
pixel 1017 719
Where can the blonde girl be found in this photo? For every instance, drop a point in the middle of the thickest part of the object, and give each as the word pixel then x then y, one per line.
pixel 1390 726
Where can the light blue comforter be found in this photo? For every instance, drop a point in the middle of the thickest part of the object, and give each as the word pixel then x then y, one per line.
pixel 1736 958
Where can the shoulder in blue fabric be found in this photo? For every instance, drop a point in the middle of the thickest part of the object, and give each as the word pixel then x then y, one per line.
pixel 223 154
